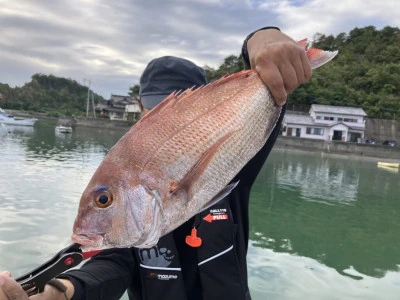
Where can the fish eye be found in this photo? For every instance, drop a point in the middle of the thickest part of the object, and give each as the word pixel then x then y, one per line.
pixel 104 199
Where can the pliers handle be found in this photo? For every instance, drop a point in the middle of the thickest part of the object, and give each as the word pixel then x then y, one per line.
pixel 71 256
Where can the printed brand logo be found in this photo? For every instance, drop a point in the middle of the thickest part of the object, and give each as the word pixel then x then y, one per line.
pixel 156 257
pixel 210 218
pixel 155 275
pixel 218 211
pixel 166 277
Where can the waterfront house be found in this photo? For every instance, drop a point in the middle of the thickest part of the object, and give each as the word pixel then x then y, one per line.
pixel 326 122
pixel 115 109
pixel 132 112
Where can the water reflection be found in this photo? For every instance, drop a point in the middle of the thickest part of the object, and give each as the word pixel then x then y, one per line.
pixel 322 182
pixel 291 214
pixel 47 144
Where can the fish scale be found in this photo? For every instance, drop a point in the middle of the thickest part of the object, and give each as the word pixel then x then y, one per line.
pixel 176 160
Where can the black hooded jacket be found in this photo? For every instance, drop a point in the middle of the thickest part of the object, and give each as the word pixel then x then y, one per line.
pixel 174 270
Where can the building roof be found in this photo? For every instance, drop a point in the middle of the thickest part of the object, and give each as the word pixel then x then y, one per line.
pixel 298 119
pixel 122 101
pixel 343 110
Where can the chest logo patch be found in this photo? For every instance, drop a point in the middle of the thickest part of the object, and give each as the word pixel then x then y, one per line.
pixel 218 214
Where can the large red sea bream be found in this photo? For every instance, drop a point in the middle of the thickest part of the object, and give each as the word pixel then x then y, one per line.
pixel 178 160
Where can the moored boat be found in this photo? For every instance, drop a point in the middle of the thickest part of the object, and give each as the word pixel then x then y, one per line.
pixel 63 129
pixel 7 119
pixel 388 164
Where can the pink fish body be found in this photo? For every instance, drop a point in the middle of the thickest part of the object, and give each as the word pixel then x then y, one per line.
pixel 177 160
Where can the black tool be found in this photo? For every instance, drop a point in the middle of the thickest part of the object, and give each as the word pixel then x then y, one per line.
pixel 71 256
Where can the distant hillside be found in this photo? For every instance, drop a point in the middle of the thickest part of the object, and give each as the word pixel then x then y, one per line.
pixel 47 94
pixel 366 72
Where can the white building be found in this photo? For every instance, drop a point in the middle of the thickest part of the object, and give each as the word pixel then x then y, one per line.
pixel 328 123
pixel 120 108
pixel 132 112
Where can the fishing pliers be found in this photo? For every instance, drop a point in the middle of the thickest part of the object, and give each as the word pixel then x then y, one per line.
pixel 71 256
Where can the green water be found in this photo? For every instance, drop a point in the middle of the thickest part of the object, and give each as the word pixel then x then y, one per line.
pixel 321 227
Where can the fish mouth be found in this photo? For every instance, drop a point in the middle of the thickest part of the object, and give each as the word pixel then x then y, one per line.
pixel 88 242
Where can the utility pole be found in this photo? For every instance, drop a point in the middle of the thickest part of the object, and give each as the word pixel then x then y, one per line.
pixel 88 95
pixel 94 111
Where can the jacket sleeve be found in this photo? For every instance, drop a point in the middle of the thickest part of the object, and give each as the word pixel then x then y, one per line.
pixel 249 172
pixel 240 196
pixel 105 276
pixel 245 54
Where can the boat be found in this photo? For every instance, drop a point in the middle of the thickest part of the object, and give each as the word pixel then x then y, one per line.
pixel 388 165
pixel 389 169
pixel 7 119
pixel 63 129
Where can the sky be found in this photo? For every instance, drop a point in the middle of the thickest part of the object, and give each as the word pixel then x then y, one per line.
pixel 109 43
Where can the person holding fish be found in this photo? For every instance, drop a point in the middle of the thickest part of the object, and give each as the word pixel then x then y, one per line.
pixel 157 249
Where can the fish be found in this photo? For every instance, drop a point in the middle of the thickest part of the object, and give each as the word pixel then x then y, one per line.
pixel 178 160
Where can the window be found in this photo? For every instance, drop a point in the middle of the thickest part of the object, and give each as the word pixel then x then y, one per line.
pixel 340 119
pixel 318 117
pixel 315 131
pixel 350 120
pixel 328 118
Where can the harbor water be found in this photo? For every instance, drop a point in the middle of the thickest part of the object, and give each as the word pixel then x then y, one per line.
pixel 321 227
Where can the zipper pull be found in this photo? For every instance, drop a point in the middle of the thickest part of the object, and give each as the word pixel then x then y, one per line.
pixel 193 240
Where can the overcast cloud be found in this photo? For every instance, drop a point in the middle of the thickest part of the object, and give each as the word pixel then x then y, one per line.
pixel 110 42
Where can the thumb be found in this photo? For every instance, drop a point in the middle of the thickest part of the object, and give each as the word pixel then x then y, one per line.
pixel 10 289
pixel 5 273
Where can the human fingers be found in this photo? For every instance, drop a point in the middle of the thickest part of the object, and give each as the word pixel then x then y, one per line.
pixel 3 295
pixel 10 289
pixel 273 79
pixel 307 71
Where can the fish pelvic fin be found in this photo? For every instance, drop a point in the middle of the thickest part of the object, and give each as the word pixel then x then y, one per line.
pixel 221 195
pixel 199 167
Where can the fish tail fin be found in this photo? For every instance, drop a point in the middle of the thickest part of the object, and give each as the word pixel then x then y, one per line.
pixel 319 57
pixel 316 56
pixel 303 43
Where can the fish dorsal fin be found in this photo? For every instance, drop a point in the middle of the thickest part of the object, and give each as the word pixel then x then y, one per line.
pixel 191 92
pixel 161 106
pixel 199 167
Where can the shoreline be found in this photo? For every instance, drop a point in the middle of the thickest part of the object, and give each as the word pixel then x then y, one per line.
pixel 348 150
pixel 331 148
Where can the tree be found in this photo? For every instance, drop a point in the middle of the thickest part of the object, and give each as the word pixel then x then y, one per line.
pixel 134 90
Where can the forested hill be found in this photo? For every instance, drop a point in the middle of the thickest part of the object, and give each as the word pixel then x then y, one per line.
pixel 48 94
pixel 365 73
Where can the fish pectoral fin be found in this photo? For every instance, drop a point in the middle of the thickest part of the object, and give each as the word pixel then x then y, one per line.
pixel 221 195
pixel 199 167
